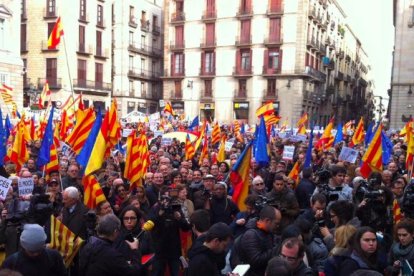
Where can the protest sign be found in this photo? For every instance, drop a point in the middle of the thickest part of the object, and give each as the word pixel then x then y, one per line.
pixel 66 150
pixel 166 141
pixel 126 132
pixel 288 152
pixel 26 186
pixel 4 187
pixel 228 146
pixel 348 154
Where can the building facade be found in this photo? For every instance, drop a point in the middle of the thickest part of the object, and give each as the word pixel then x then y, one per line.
pixel 401 104
pixel 11 65
pixel 224 59
pixel 137 55
pixel 81 62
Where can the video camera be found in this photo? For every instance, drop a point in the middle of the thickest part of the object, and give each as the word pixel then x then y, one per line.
pixel 331 194
pixel 407 205
pixel 367 191
pixel 170 203
pixel 263 201
pixel 323 175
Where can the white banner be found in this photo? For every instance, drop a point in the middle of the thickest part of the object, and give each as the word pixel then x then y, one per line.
pixel 348 155
pixel 288 152
pixel 4 187
pixel 26 186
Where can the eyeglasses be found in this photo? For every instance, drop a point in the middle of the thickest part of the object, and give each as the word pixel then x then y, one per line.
pixel 129 218
pixel 288 258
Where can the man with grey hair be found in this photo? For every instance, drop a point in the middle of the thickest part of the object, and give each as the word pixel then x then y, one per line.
pixel 99 257
pixel 73 212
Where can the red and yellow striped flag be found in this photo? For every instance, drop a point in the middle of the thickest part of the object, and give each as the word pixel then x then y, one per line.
pixel 54 37
pixel 53 164
pixel 410 149
pixel 19 153
pixel 77 138
pixel 189 148
pixel 168 108
pixel 302 123
pixel 137 159
pixel 294 173
pixel 64 240
pixel 215 135
pixel 93 194
pixel 372 159
pixel 204 150
pixel 6 94
pixel 45 95
pixel 396 211
pixel 327 139
pixel 358 136
pixel 221 156
pixel 114 128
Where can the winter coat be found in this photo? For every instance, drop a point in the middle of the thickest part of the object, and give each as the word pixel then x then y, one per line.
pixel 399 253
pixel 202 262
pixel 75 221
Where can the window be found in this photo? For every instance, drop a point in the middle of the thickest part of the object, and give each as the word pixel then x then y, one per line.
pixel 23 11
pixel 82 39
pixel 23 38
pixel 2 33
pixel 274 29
pixel 51 71
pixel 179 35
pixel 143 90
pixel 131 107
pixel 271 87
pixel 99 44
pixel 154 68
pixel 208 88
pixel 178 63
pixel 132 14
pixel 131 62
pixel 242 88
pixel 81 72
pixel 50 28
pixel 245 60
pixel 82 10
pixel 275 5
pixel 142 65
pixel 210 34
pixel 99 75
pixel 154 21
pixel 100 15
pixel 4 78
pixel 209 62
pixel 131 88
pixel 245 31
pixel 245 5
pixel 143 16
pixel 51 7
pixel 131 38
pixel 143 39
pixel 273 59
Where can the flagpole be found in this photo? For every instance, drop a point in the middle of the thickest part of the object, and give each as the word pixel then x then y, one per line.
pixel 67 65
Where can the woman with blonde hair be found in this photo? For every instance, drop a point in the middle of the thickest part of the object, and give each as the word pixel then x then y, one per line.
pixel 342 249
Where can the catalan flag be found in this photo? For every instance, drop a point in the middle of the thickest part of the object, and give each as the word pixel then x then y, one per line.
pixel 45 95
pixel 137 159
pixel 266 109
pixel 410 150
pixel 327 139
pixel 77 138
pixel 396 211
pixel 358 136
pixel 93 194
pixel 6 94
pixel 19 153
pixel 189 148
pixel 204 150
pixel 64 241
pixel 302 123
pixel 54 37
pixel 114 128
pixel 271 120
pixel 294 173
pixel 201 137
pixel 215 135
pixel 168 109
pixel 53 164
pixel 372 159
pixel 239 177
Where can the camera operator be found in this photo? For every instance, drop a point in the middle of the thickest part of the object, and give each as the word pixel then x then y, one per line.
pixel 201 198
pixel 169 220
pixel 285 200
pixel 99 257
pixel 331 184
pixel 374 204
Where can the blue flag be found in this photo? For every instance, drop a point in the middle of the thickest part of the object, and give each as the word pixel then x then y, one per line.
pixel 119 147
pixel 260 151
pixel 339 135
pixel 387 147
pixel 194 123
pixel 85 153
pixel 368 135
pixel 3 140
pixel 242 129
pixel 8 126
pixel 44 152
pixel 308 158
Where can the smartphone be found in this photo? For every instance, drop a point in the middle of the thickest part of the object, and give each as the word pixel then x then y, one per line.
pixel 241 269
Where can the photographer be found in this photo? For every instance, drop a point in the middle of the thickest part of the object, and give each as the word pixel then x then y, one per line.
pixel 169 220
pixel 99 257
pixel 331 184
pixel 316 214
pixel 201 198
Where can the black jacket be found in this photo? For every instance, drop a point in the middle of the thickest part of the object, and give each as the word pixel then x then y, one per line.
pixel 222 210
pixel 49 263
pixel 202 262
pixel 75 221
pixel 256 249
pixel 304 192
pixel 99 258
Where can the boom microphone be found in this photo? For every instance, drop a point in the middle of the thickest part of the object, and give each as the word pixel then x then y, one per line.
pixel 147 226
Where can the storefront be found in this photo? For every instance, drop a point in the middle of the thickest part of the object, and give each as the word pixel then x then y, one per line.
pixel 207 111
pixel 241 110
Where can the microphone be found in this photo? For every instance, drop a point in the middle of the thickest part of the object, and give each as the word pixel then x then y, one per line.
pixel 147 226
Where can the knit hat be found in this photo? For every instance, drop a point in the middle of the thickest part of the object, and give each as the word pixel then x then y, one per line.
pixel 33 237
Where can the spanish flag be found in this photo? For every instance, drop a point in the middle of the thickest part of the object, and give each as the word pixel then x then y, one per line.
pixel 54 37
pixel 358 136
pixel 294 173
pixel 168 109
pixel 266 109
pixel 302 123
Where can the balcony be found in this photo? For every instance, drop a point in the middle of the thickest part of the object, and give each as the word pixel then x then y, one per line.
pixel 269 71
pixel 145 25
pixel 322 49
pixel 315 74
pixel 45 48
pixel 50 13
pixel 23 16
pixel 327 41
pixel 91 85
pixel 178 17
pixel 176 94
pixel 244 13
pixel 207 95
pixel 24 47
pixel 84 49
pixel 208 44
pixel 244 41
pixel 240 94
pixel 156 30
pixel 270 94
pixel 101 24
pixel 177 45
pixel 312 44
pixel 275 12
pixel 242 72
pixel 102 54
pixel 132 22
pixel 272 41
pixel 26 83
pixel 324 25
pixel 138 73
pixel 178 73
pixel 209 16
pixel 145 50
pixel 312 14
pixel 54 83
pixel 207 72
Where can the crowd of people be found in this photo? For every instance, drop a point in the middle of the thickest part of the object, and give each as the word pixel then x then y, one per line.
pixel 330 222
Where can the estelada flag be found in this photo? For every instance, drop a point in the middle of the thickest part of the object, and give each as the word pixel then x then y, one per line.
pixel 54 37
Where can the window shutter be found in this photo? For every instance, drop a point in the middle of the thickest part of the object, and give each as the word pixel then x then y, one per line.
pixel 265 60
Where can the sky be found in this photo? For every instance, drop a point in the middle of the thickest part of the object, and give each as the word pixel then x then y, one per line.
pixel 371 21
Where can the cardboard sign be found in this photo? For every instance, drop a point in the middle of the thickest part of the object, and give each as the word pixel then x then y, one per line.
pixel 126 132
pixel 154 117
pixel 158 133
pixel 288 152
pixel 166 141
pixel 67 150
pixel 228 146
pixel 348 154
pixel 4 187
pixel 26 186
